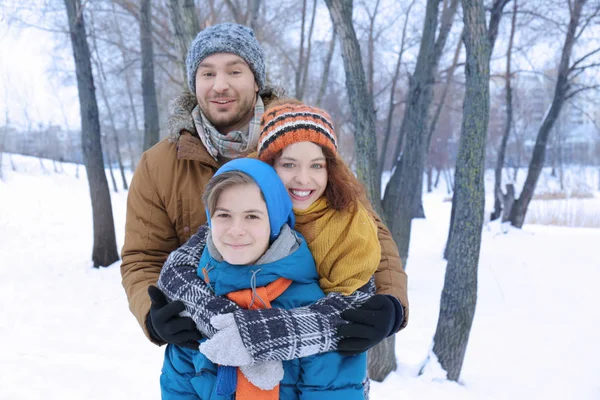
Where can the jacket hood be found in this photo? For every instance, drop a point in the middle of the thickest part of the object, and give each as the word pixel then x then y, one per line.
pixel 180 116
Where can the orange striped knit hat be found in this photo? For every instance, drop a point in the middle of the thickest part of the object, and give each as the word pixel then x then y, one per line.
pixel 288 123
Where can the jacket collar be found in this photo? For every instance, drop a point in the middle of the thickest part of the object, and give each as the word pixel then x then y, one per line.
pixel 191 148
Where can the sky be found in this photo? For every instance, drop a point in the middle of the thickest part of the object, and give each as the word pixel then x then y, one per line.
pixel 67 332
pixel 26 56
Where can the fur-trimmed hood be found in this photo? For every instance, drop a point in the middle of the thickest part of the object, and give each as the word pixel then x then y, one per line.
pixel 180 116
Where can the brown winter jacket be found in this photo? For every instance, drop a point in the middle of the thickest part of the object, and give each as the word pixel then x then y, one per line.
pixel 164 208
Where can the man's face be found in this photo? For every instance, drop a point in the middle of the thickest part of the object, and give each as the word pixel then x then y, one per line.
pixel 226 91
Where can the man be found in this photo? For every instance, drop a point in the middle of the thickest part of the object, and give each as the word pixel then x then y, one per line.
pixel 226 72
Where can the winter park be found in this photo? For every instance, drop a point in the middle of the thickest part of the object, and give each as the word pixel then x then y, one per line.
pixel 414 186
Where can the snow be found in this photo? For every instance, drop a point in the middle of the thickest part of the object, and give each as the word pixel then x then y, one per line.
pixel 67 332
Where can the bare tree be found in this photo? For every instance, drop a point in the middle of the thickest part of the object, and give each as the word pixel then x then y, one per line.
pixel 326 67
pixel 104 250
pixel 371 47
pixel 459 295
pixel 151 126
pixel 565 89
pixel 392 102
pixel 301 73
pixel 363 116
pixel 492 33
pixel 249 17
pixel 185 27
pixel 129 88
pixel 381 358
pixel 403 193
pixel 498 194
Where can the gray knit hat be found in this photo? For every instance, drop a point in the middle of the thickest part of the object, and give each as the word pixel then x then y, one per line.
pixel 226 38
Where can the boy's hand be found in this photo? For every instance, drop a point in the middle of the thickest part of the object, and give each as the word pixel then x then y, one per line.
pixel 226 346
pixel 264 375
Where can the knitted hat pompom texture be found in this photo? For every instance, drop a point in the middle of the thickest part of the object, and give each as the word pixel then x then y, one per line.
pixel 286 124
pixel 226 38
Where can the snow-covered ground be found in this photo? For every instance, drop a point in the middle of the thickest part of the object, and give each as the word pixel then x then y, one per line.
pixel 66 332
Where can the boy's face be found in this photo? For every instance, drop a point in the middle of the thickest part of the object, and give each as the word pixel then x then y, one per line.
pixel 226 91
pixel 240 225
pixel 303 169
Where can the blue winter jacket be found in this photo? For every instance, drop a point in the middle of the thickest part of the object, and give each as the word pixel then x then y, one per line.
pixel 323 376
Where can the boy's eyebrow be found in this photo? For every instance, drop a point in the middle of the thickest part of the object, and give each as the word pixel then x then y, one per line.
pixel 253 211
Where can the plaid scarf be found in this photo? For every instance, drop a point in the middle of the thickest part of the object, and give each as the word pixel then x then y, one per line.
pixel 233 144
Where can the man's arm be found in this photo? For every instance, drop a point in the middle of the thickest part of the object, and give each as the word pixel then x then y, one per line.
pixel 179 280
pixel 390 277
pixel 149 238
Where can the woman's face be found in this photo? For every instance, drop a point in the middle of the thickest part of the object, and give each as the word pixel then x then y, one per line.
pixel 303 169
pixel 240 225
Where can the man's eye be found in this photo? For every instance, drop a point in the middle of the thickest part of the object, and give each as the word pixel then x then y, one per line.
pixel 252 216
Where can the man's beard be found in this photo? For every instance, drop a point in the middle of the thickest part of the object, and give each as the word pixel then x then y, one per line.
pixel 225 120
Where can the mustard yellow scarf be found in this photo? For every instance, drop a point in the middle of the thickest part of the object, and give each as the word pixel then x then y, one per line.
pixel 343 243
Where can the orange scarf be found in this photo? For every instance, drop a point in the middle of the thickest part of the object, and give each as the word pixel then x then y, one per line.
pixel 245 299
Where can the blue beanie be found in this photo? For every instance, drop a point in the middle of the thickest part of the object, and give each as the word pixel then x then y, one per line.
pixel 226 38
pixel 279 204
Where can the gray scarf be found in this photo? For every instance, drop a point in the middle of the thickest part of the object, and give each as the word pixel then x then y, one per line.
pixel 233 144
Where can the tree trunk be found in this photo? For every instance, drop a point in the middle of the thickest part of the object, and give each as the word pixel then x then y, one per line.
pixel 382 359
pixel 308 51
pixel 104 250
pixel 459 295
pixel 185 27
pixel 254 7
pixel 509 119
pixel 437 177
pixel 445 91
pixel 326 68
pixel 363 116
pixel 536 164
pixel 388 124
pixel 492 33
pixel 371 52
pixel 2 144
pixel 407 178
pixel 110 164
pixel 115 137
pixel 128 85
pixel 300 68
pixel 429 179
pixel 151 126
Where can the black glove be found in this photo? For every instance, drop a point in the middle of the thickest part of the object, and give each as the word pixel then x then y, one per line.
pixel 369 324
pixel 165 324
